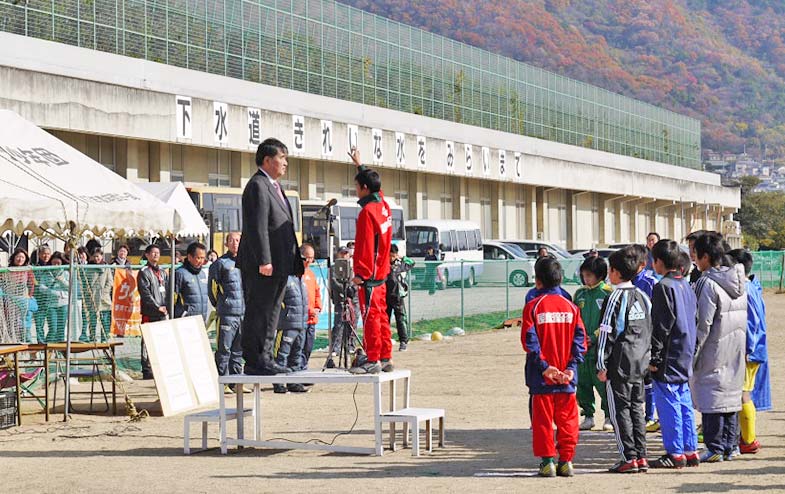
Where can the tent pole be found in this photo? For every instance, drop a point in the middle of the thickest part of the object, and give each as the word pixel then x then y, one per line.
pixel 69 324
pixel 171 278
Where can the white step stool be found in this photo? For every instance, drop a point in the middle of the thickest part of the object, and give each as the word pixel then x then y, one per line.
pixel 205 417
pixel 412 417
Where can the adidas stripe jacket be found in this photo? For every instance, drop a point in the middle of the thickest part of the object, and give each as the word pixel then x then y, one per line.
pixel 624 345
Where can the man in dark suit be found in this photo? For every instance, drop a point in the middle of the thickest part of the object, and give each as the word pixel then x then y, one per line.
pixel 267 255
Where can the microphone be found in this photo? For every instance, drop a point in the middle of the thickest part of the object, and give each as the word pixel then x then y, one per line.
pixel 327 206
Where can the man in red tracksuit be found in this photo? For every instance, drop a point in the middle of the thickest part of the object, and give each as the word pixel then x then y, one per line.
pixel 554 340
pixel 371 267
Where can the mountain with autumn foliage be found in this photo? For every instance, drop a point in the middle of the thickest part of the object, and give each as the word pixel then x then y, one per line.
pixel 721 61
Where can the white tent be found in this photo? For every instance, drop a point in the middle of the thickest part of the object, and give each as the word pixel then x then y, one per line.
pixel 48 187
pixel 175 196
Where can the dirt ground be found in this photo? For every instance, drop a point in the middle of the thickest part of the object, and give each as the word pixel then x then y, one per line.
pixel 478 379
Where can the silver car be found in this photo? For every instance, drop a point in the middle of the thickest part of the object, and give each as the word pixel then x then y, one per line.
pixel 503 261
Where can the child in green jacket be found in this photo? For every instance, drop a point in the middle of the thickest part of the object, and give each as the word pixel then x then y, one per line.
pixel 589 300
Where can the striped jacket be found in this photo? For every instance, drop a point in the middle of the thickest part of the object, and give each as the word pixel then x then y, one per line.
pixel 624 345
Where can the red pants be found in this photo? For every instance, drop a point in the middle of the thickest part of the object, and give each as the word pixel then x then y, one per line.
pixel 561 409
pixel 376 324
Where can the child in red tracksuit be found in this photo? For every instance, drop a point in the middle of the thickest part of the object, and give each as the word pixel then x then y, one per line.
pixel 554 340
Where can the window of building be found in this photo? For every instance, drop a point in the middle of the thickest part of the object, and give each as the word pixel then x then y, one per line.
pixel 219 166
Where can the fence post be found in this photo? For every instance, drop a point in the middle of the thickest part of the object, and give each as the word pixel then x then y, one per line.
pixel 463 316
pixel 411 290
pixel 782 272
pixel 507 286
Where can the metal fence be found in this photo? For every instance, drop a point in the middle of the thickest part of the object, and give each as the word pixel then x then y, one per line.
pixel 327 48
pixel 472 296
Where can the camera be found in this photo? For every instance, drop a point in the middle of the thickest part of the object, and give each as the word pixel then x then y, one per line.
pixel 342 270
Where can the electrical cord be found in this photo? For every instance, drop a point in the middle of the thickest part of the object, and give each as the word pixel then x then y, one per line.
pixel 332 441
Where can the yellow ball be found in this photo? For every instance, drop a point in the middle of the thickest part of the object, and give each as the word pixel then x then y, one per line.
pixel 436 336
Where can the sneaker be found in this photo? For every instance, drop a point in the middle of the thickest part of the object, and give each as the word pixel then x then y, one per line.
pixel 670 461
pixel 367 368
pixel 564 469
pixel 228 390
pixel 733 454
pixel 547 469
pixel 710 457
pixel 643 465
pixel 387 365
pixel 280 389
pixel 693 460
pixel 297 388
pixel 652 426
pixel 607 426
pixel 625 466
pixel 402 346
pixel 749 449
pixel 587 424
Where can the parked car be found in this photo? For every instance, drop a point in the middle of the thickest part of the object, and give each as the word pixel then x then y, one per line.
pixel 506 262
pixel 570 263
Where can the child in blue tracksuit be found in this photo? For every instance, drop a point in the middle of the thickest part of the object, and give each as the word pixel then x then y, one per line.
pixel 291 327
pixel 756 354
pixel 673 312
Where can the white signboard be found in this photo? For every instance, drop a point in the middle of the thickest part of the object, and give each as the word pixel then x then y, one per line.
pixel 422 156
pixel 469 159
pixel 254 127
pixel 400 151
pixel 518 166
pixel 184 111
pixel 378 154
pixel 327 138
pixel 183 364
pixel 449 150
pixel 352 135
pixel 502 163
pixel 220 123
pixel 298 135
pixel 486 161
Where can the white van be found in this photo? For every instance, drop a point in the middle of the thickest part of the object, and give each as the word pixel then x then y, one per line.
pixel 345 225
pixel 453 241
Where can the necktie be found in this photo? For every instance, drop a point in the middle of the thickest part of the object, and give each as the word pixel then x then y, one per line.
pixel 280 194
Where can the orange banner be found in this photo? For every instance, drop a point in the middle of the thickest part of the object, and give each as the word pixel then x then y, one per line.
pixel 126 309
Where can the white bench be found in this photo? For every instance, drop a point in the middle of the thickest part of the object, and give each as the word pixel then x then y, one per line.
pixel 205 417
pixel 412 417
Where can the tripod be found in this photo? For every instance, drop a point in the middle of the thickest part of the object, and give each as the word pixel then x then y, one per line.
pixel 350 342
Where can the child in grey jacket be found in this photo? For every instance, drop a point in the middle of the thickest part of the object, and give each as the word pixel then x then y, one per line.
pixel 719 366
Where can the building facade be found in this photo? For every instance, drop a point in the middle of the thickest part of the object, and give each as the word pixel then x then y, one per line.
pixel 161 91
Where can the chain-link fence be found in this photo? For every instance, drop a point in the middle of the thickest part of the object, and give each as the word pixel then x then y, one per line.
pixel 470 295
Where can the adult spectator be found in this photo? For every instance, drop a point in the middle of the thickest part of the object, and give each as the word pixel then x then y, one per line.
pixel 57 312
pixel 153 294
pixel 212 256
pixel 267 255
pixel 44 255
pixel 99 281
pixel 542 252
pixel 190 284
pixel 651 239
pixel 226 294
pixel 121 259
pixel 42 294
pixel 17 289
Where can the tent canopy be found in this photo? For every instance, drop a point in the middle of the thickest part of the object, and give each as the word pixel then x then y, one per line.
pixel 46 186
pixel 174 195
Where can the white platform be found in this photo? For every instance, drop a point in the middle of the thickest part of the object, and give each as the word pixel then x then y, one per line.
pixel 329 376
